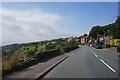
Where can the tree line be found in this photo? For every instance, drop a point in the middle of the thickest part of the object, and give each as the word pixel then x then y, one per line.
pixel 107 30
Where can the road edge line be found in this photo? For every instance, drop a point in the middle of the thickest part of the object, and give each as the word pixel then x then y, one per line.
pixel 107 65
pixel 50 68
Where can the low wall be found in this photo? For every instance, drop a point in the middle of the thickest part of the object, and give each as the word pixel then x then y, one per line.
pixel 47 55
pixel 44 56
pixel 39 57
pixel 70 49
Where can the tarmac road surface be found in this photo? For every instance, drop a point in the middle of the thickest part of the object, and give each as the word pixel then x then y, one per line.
pixel 87 62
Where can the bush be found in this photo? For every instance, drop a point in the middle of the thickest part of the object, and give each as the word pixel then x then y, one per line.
pixel 62 50
pixel 116 42
pixel 112 42
pixel 103 46
pixel 6 65
pixel 41 48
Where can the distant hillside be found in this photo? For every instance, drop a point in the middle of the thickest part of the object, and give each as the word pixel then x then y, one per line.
pixel 9 49
pixel 40 46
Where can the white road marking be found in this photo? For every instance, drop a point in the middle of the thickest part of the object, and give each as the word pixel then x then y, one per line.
pixel 91 51
pixel 103 62
pixel 95 55
pixel 107 65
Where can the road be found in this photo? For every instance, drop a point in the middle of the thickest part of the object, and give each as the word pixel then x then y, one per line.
pixel 87 62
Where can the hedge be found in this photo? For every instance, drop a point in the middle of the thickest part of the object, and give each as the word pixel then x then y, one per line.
pixel 114 42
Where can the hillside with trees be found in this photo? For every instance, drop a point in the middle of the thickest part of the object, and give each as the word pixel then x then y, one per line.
pixel 107 30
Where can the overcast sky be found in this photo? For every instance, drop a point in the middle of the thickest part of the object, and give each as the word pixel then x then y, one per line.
pixel 30 21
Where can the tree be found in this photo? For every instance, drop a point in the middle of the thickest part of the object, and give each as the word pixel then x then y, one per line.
pixel 117 28
pixel 95 31
pixel 85 35
pixel 107 30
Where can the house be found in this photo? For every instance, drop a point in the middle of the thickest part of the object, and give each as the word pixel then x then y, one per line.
pixel 82 40
pixel 85 39
pixel 71 39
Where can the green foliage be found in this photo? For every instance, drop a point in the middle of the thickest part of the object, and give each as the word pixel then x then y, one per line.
pixel 103 46
pixel 117 29
pixel 42 48
pixel 69 44
pixel 9 49
pixel 9 62
pixel 6 64
pixel 62 50
pixel 112 42
pixel 27 51
pixel 85 35
pixel 107 30
pixel 96 30
pixel 116 42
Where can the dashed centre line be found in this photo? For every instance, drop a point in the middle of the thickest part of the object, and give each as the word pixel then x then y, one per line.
pixel 95 55
pixel 103 61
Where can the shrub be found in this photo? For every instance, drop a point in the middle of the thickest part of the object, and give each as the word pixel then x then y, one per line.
pixel 10 62
pixel 62 50
pixel 112 42
pixel 6 65
pixel 42 48
pixel 15 59
pixel 103 46
pixel 116 42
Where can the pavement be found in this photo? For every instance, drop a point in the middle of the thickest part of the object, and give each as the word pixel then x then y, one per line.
pixel 113 49
pixel 87 62
pixel 36 71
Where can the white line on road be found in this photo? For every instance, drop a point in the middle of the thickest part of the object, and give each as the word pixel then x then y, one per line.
pixel 107 65
pixel 103 62
pixel 95 55
pixel 91 51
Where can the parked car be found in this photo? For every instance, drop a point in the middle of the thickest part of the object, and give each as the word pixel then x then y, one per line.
pixel 91 45
pixel 118 50
pixel 98 46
